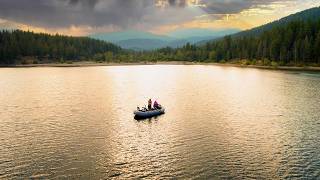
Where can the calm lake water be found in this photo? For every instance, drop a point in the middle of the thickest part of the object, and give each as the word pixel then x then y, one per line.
pixel 220 122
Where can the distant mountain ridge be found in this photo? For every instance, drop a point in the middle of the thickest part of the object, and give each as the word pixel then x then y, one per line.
pixel 137 40
pixel 200 32
pixel 126 35
pixel 141 44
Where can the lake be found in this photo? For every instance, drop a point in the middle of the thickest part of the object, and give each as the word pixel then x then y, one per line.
pixel 220 122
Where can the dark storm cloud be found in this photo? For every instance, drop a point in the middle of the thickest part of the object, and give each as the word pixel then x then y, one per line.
pixel 177 3
pixel 63 13
pixel 120 13
pixel 232 6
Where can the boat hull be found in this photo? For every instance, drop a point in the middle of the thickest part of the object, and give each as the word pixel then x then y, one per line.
pixel 148 114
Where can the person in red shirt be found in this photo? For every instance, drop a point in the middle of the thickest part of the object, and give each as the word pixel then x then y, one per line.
pixel 155 105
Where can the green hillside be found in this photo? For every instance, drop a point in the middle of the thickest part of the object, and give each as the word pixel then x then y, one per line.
pixel 16 45
pixel 294 40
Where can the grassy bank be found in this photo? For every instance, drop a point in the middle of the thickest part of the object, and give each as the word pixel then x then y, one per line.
pixel 233 64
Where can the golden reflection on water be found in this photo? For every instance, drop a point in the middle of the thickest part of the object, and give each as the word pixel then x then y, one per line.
pixel 220 122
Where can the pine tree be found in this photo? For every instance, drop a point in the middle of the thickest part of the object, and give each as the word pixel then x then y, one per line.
pixel 306 49
pixel 317 48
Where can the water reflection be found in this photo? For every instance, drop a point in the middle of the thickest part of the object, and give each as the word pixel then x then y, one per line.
pixel 220 122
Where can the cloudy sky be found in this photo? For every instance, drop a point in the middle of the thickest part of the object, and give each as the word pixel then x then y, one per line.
pixel 83 17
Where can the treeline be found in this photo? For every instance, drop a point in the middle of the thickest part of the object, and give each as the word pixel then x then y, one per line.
pixel 20 46
pixel 296 43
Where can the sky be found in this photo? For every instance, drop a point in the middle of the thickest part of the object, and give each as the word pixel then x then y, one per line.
pixel 85 17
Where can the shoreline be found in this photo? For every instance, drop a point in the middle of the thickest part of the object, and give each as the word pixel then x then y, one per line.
pixel 93 64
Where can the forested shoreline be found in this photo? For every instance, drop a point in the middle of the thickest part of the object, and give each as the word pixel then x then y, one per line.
pixel 28 47
pixel 296 43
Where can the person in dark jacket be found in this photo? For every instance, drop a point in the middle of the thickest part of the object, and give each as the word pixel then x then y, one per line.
pixel 149 104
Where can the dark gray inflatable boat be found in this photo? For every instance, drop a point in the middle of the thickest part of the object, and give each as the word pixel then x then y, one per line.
pixel 144 113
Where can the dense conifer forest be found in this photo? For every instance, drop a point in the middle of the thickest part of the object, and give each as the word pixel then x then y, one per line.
pixel 293 40
pixel 295 43
pixel 20 46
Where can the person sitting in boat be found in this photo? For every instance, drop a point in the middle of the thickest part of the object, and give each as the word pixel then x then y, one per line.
pixel 149 104
pixel 156 105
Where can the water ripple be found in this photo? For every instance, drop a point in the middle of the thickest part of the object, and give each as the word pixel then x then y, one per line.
pixel 221 123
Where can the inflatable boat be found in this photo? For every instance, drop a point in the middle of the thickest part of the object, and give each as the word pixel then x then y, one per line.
pixel 144 113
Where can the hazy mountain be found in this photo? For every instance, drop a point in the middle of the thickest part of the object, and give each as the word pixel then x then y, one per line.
pixel 127 35
pixel 201 33
pixel 142 44
pixel 151 44
pixel 191 40
pixel 138 40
